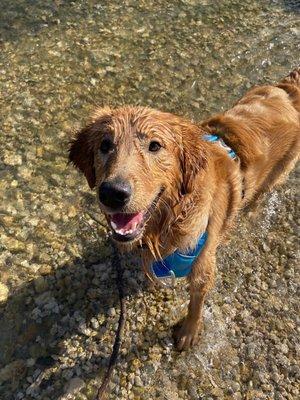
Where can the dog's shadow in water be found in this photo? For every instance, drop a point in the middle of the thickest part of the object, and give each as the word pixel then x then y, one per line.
pixel 71 307
pixel 42 315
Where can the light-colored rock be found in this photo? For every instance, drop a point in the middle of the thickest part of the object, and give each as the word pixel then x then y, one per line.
pixel 74 386
pixel 112 312
pixel 12 159
pixel 45 269
pixel 4 291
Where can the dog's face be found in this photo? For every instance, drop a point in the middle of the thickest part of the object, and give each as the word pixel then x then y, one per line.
pixel 138 159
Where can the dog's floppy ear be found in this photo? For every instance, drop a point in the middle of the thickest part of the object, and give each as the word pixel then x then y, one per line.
pixel 81 152
pixel 192 157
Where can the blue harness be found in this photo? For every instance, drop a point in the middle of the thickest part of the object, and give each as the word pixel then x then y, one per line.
pixel 177 264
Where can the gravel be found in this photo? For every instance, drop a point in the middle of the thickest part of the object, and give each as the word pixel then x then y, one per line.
pixel 58 299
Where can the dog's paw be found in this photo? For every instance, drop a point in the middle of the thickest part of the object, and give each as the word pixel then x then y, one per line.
pixel 186 334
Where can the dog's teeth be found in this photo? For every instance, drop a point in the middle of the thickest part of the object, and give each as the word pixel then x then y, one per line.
pixel 113 225
pixel 122 231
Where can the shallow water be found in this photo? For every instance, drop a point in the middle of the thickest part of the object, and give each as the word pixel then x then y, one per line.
pixel 58 60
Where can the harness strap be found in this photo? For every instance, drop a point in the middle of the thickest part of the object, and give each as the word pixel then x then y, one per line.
pixel 177 264
pixel 214 138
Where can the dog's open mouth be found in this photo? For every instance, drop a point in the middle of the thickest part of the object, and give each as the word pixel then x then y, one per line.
pixel 128 227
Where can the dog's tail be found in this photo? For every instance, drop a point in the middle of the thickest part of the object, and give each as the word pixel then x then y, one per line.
pixel 293 78
pixel 291 85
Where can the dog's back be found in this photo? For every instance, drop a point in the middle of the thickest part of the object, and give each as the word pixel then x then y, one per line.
pixel 264 130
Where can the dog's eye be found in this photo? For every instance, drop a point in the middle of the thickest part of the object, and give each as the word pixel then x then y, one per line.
pixel 106 146
pixel 154 146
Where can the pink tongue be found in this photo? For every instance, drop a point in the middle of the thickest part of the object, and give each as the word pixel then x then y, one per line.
pixel 126 221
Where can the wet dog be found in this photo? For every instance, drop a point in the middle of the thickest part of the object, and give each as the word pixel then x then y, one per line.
pixel 163 181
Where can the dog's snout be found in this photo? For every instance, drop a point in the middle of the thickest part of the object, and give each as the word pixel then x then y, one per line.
pixel 115 194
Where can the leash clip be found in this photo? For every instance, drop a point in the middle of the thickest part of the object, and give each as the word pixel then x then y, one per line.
pixel 164 281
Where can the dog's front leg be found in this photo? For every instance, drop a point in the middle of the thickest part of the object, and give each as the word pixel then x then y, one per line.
pixel 201 280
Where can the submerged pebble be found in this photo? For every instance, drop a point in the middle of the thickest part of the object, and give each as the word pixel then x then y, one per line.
pixel 4 291
pixel 58 298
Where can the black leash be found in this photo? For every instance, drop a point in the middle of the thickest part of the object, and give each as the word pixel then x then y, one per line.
pixel 116 262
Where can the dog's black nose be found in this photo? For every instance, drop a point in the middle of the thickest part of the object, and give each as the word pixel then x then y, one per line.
pixel 115 194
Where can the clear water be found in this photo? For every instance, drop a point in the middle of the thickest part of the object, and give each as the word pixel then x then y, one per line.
pixel 58 60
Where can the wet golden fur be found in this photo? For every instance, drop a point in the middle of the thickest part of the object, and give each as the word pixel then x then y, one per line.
pixel 201 187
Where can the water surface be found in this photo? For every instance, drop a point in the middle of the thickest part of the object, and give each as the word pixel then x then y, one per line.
pixel 58 60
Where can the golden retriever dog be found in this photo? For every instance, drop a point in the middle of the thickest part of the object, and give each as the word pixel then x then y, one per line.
pixel 162 181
